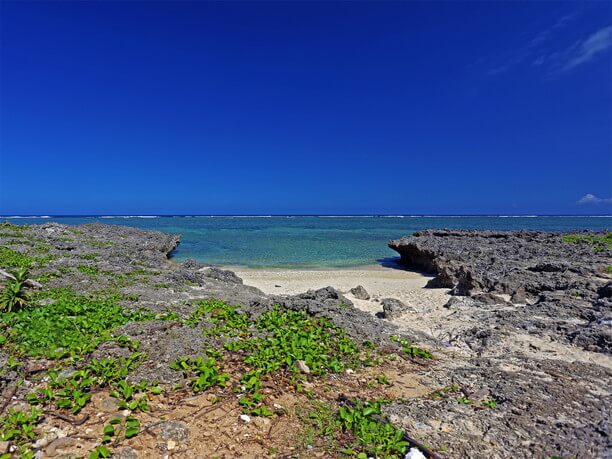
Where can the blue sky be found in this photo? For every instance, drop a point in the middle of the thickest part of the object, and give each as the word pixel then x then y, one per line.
pixel 306 108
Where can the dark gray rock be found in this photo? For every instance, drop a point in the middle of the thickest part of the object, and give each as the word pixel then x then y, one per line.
pixel 556 279
pixel 192 264
pixel 540 405
pixel 605 291
pixel 330 303
pixel 501 262
pixel 125 453
pixel 519 296
pixel 489 298
pixel 394 308
pixel 360 293
pixel 186 276
pixel 176 431
pixel 222 275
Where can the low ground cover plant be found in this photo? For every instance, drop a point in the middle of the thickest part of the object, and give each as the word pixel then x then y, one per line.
pixel 70 325
pixel 64 326
pixel 598 243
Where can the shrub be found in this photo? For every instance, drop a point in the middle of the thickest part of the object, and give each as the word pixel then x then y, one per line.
pixel 14 296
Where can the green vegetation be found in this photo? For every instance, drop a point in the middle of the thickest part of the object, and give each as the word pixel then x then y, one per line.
pixel 598 243
pixel 275 341
pixel 12 259
pixel 74 392
pixel 445 391
pixel 380 380
pixel 88 256
pixel 127 427
pixel 131 397
pixel 8 229
pixel 608 269
pixel 412 350
pixel 18 428
pixel 89 270
pixel 14 296
pixel 72 325
pixel 100 452
pixel 99 244
pixel 357 425
pixel 489 403
pixel 203 373
pixel 293 336
pixel 374 436
pixel 321 425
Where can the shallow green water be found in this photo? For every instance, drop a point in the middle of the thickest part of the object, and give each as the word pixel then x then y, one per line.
pixel 313 242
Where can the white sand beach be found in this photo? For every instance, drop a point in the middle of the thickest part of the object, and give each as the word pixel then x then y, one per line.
pixel 380 282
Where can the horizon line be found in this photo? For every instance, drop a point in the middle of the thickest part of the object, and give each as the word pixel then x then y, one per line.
pixel 14 216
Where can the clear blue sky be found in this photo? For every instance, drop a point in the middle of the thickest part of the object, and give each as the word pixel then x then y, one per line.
pixel 306 108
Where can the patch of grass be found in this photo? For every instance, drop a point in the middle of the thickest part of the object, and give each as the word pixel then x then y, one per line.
pixel 445 391
pixel 225 319
pixel 47 276
pixel 109 370
pixel 608 269
pixel 8 229
pixel 161 285
pixel 89 270
pixel 74 392
pixel 73 325
pixel 18 428
pixel 12 259
pixel 274 342
pixel 293 336
pixel 131 397
pixel 202 373
pixel 43 248
pixel 381 379
pixel 374 437
pixel 598 243
pixel 88 256
pixel 489 403
pixel 99 244
pixel 321 425
pixel 412 350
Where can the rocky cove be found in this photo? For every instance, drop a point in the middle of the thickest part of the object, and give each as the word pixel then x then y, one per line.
pixel 515 364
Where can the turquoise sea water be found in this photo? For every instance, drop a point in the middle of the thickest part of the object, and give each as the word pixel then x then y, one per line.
pixel 312 242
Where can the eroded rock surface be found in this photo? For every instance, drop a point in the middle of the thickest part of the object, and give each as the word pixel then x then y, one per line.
pixel 564 285
pixel 529 326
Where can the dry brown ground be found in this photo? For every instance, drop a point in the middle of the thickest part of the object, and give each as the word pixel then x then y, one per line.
pixel 213 417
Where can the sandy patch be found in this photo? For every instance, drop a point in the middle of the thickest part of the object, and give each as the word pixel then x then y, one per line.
pixel 380 282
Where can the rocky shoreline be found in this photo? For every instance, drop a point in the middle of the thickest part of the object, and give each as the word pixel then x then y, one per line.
pixel 535 331
pixel 558 284
pixel 521 369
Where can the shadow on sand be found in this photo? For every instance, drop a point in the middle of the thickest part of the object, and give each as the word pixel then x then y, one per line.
pixel 394 263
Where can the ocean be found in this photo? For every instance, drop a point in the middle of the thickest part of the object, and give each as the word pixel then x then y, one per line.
pixel 311 242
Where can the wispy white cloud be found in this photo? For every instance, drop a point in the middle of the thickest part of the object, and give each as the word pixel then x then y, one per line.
pixel 549 49
pixel 592 199
pixel 531 50
pixel 585 50
pixel 545 34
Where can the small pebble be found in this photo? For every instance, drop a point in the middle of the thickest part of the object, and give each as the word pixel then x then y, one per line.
pixel 415 453
pixel 301 365
pixel 245 418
